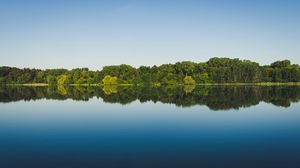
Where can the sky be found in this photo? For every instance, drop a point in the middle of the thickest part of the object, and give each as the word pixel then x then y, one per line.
pixel 73 33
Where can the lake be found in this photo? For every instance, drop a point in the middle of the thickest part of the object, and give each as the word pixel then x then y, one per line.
pixel 144 127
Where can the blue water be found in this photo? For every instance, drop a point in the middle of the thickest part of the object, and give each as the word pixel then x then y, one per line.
pixel 52 133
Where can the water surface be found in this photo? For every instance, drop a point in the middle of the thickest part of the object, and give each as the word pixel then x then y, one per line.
pixel 203 126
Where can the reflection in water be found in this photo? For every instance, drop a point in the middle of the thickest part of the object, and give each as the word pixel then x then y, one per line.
pixel 145 135
pixel 215 97
pixel 110 89
pixel 188 88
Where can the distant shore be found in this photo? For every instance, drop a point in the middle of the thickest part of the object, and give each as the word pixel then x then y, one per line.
pixel 215 71
pixel 200 84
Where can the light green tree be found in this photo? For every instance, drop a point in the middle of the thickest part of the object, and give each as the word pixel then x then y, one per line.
pixel 188 80
pixel 62 80
pixel 109 80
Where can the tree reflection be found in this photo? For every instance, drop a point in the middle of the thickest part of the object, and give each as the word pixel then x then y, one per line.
pixel 215 97
pixel 110 89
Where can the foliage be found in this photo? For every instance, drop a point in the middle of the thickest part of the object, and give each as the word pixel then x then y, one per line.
pixel 201 78
pixel 110 89
pixel 108 80
pixel 215 70
pixel 188 80
pixel 62 80
pixel 51 80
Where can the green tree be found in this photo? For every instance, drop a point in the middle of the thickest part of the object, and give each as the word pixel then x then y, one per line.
pixel 281 64
pixel 188 80
pixel 40 77
pixel 81 80
pixel 109 80
pixel 63 80
pixel 51 80
pixel 201 78
pixel 2 80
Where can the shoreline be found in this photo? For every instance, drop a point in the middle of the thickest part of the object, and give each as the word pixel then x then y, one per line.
pixel 200 84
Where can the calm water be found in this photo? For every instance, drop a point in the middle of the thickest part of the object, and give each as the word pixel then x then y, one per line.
pixel 203 126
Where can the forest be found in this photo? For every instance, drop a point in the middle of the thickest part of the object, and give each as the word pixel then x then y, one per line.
pixel 215 70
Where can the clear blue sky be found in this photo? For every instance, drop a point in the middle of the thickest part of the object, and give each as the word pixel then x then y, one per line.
pixel 57 33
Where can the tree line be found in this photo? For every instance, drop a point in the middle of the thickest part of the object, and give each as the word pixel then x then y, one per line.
pixel 215 70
